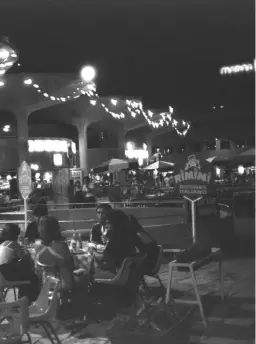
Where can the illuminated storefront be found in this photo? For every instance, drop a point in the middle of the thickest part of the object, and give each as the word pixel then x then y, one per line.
pixel 48 153
pixel 139 154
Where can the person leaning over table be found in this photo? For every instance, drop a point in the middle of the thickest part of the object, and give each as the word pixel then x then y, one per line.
pixel 16 264
pixel 31 233
pixel 119 244
pixel 99 229
pixel 146 245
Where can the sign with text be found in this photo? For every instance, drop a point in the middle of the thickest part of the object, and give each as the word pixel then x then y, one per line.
pixel 194 177
pixel 25 181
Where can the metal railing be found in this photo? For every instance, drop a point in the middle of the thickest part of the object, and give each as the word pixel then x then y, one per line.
pixel 123 204
pixel 21 224
pixel 69 214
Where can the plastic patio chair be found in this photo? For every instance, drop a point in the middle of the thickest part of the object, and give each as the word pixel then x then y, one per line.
pixel 14 322
pixel 5 286
pixel 122 276
pixel 128 276
pixel 44 310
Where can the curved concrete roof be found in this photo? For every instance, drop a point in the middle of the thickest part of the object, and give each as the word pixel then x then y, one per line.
pixel 15 95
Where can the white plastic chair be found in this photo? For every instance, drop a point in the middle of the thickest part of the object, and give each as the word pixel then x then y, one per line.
pixel 44 309
pixel 14 322
pixel 5 286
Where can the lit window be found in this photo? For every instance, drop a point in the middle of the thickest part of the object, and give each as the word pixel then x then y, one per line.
pixel 6 128
pixel 34 167
pixel 57 159
pixel 73 146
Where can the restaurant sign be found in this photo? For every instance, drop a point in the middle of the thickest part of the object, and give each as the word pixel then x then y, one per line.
pixel 194 177
pixel 25 181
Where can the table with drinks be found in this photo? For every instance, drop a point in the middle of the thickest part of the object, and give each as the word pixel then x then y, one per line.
pixel 81 251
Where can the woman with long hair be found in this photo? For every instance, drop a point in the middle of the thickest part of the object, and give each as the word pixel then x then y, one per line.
pixel 119 243
pixel 53 252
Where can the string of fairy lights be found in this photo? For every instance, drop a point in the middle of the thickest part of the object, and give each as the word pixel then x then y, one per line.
pixel 133 108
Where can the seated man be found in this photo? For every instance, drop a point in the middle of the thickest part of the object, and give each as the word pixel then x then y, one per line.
pixel 98 231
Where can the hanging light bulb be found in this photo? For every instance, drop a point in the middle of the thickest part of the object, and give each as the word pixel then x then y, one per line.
pixel 28 81
pixel 88 73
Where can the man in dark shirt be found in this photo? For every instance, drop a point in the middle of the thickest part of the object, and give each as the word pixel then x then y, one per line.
pixel 145 243
pixel 39 211
pixel 98 230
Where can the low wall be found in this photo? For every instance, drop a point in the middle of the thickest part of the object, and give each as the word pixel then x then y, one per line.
pixel 83 218
pixel 146 216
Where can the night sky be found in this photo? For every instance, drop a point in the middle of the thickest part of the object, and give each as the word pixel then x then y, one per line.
pixel 166 52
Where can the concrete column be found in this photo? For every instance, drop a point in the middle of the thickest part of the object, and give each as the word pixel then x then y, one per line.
pixel 82 126
pixel 22 135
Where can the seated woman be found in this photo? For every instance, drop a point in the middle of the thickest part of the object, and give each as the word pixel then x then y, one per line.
pixel 146 245
pixel 119 244
pixel 15 264
pixel 53 252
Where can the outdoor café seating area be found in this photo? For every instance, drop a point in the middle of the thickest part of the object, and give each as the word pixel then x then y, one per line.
pixel 126 300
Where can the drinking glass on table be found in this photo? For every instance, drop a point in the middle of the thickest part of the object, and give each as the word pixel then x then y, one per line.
pixel 85 246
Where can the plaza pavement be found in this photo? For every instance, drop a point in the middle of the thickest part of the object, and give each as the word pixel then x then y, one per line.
pixel 229 322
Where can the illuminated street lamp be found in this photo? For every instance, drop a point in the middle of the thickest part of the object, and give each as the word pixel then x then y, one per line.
pixel 88 74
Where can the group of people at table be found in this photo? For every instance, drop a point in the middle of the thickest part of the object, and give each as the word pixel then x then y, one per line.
pixel 120 234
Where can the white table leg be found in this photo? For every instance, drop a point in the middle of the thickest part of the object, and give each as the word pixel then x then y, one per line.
pixel 168 289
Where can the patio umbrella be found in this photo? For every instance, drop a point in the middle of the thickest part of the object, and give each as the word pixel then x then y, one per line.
pixel 215 159
pixel 247 157
pixel 112 166
pixel 160 166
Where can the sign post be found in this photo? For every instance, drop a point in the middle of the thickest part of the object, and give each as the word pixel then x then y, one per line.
pixel 25 183
pixel 194 179
pixel 193 213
